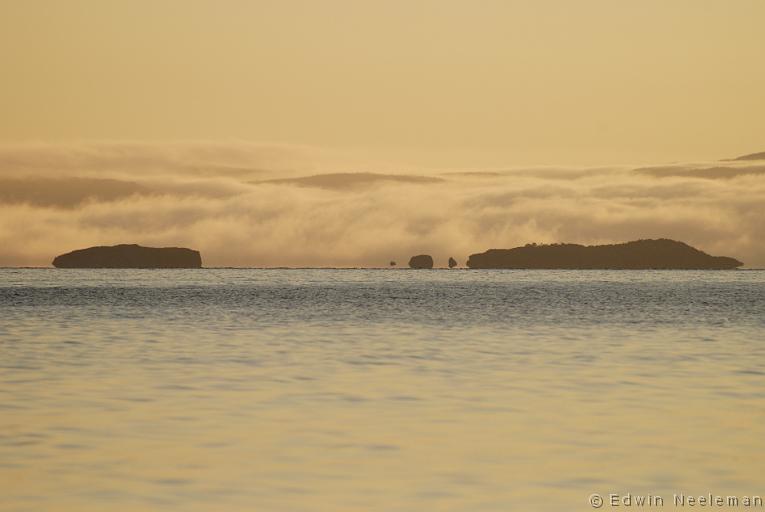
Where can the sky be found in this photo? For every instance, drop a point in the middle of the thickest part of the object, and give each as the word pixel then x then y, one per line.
pixel 437 83
pixel 194 123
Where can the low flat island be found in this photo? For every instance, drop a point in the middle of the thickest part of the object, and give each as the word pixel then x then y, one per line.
pixel 130 256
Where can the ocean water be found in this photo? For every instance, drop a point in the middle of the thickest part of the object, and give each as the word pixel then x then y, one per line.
pixel 377 390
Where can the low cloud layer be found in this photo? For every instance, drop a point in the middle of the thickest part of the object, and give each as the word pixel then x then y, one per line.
pixel 260 205
pixel 348 180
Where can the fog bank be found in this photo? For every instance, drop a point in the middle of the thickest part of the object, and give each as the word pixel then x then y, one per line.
pixel 267 205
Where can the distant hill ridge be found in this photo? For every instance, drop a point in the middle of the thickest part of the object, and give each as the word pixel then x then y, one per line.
pixel 640 254
pixel 752 156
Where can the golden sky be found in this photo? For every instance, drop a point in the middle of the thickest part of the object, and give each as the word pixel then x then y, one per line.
pixel 434 83
pixel 470 125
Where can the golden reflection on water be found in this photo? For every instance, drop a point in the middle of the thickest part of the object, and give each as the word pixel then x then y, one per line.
pixel 130 414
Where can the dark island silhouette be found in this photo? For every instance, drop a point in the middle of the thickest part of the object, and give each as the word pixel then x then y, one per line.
pixel 421 261
pixel 640 254
pixel 452 262
pixel 129 256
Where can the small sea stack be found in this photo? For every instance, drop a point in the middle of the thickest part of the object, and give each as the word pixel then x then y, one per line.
pixel 421 261
pixel 452 262
pixel 130 256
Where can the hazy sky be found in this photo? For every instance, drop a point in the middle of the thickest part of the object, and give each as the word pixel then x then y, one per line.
pixel 439 83
pixel 213 124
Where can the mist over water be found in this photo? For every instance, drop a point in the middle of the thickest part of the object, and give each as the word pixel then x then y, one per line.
pixel 258 205
pixel 376 389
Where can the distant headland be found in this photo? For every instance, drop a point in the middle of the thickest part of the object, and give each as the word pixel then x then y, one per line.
pixel 640 254
pixel 129 256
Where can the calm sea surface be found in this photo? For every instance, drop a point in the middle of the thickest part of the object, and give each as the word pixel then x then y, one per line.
pixel 379 390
